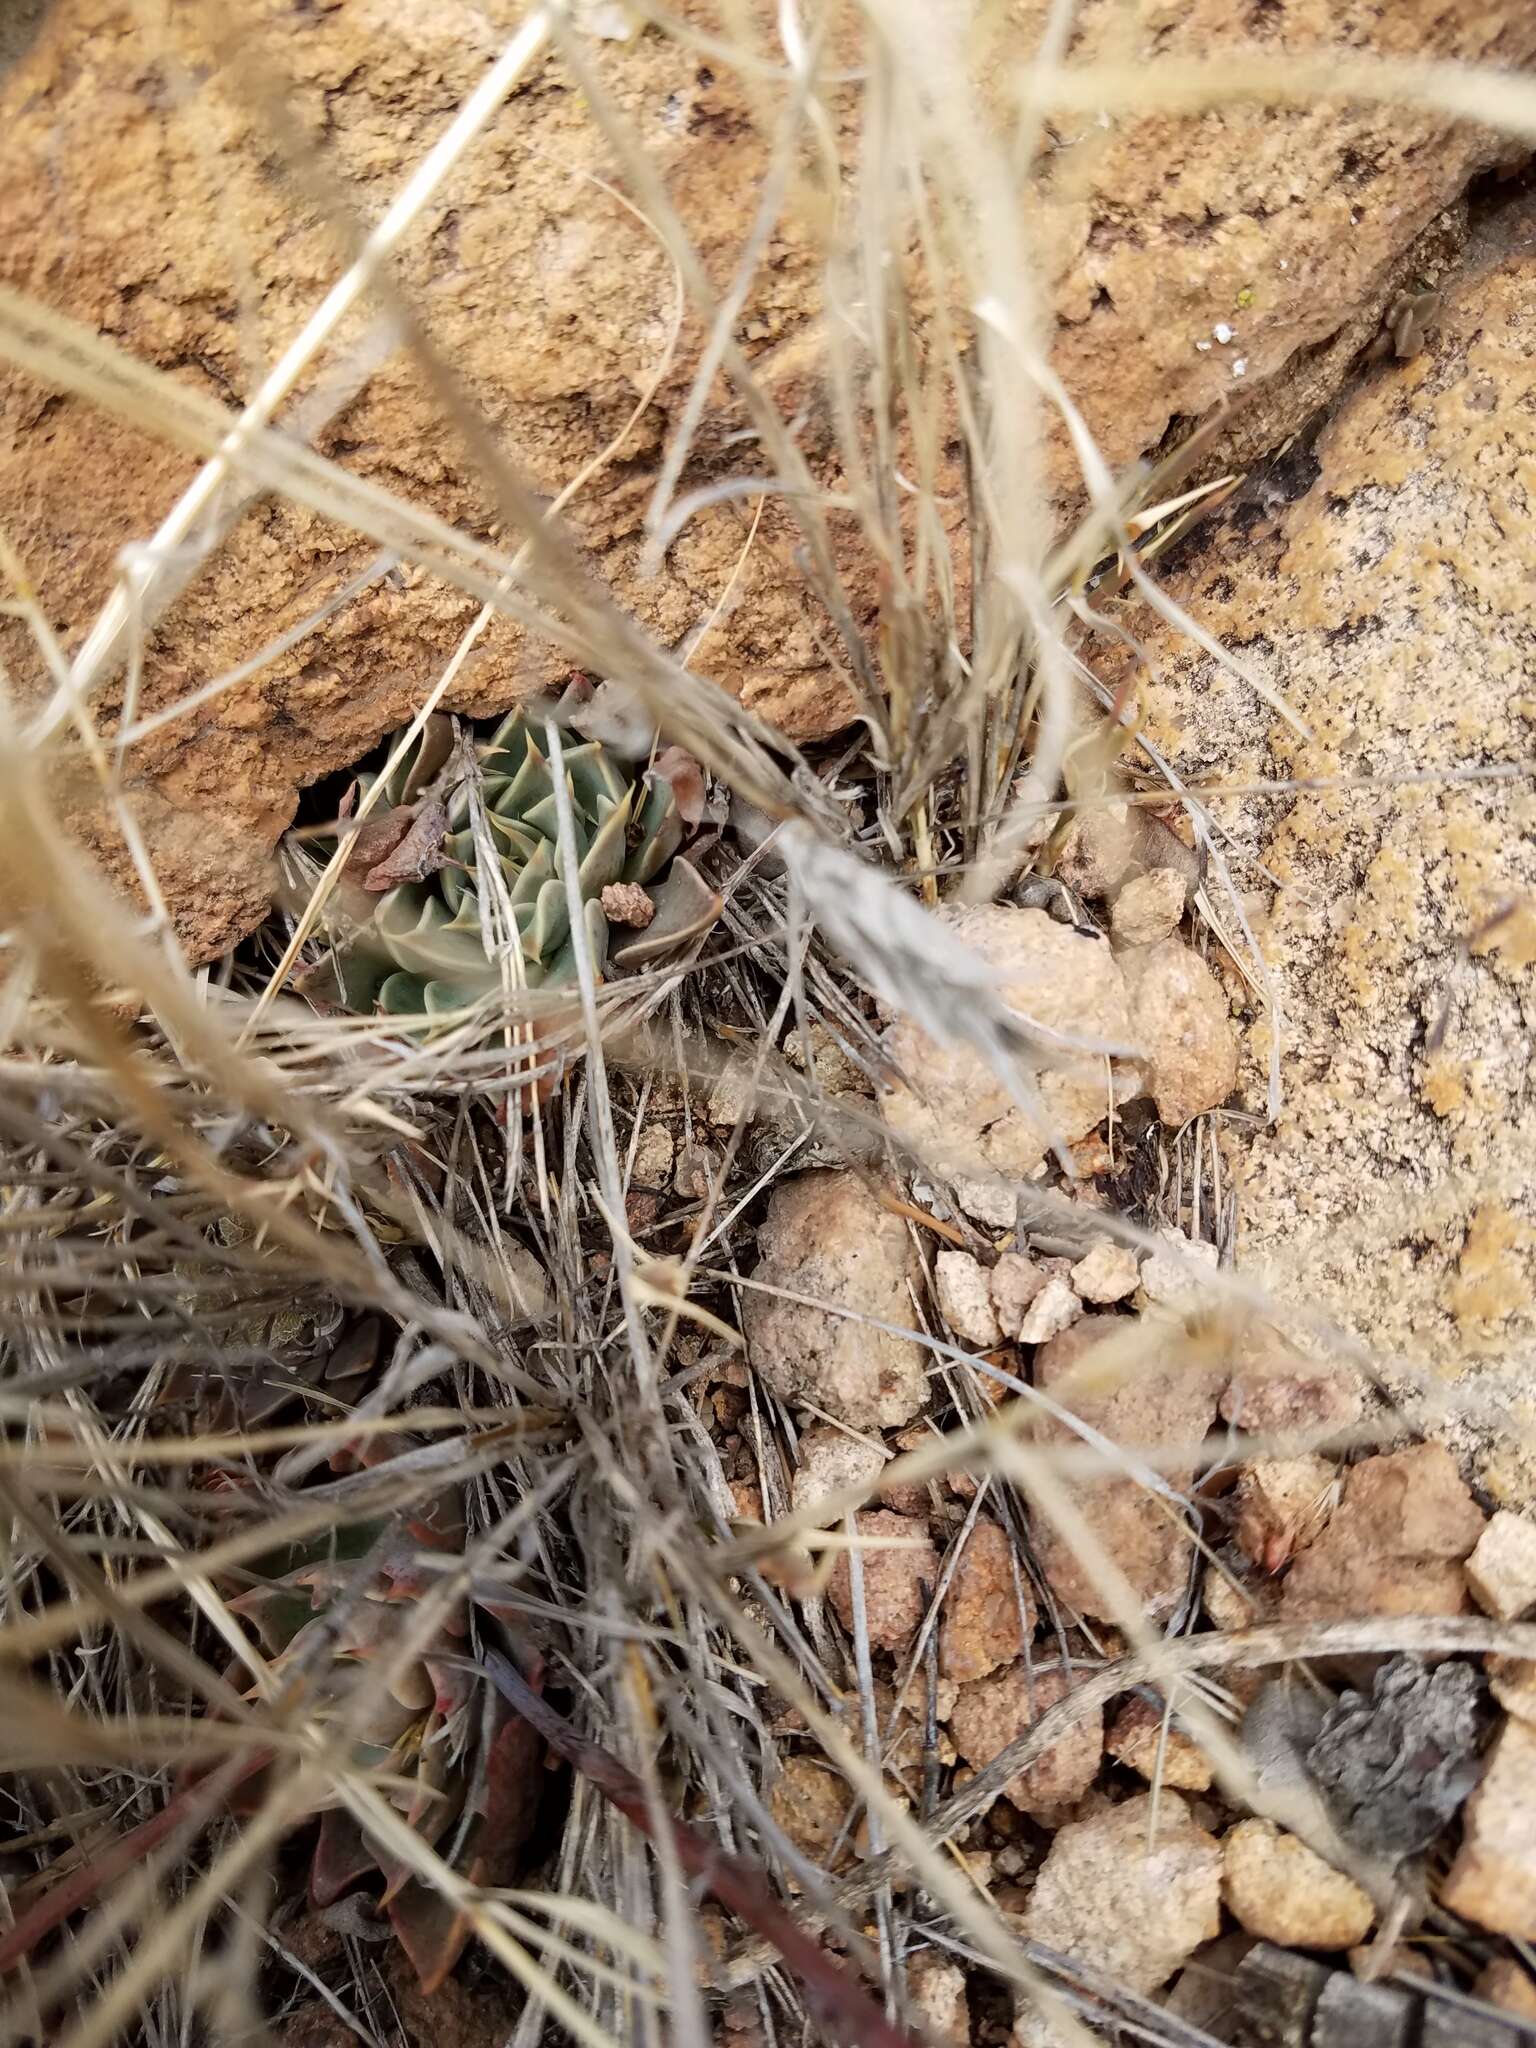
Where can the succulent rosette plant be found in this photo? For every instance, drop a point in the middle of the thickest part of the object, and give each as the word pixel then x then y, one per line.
pixel 419 910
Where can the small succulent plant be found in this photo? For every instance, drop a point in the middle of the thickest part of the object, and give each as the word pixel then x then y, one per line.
pixel 463 1768
pixel 418 903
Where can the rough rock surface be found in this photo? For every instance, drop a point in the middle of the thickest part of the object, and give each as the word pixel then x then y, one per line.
pixel 1171 1279
pixel 1275 1391
pixel 1355 579
pixel 988 1611
pixel 811 1804
pixel 830 1462
pixel 1282 1506
pixel 1097 848
pixel 1493 1880
pixel 1105 1273
pixel 1502 1569
pixel 150 206
pixel 989 1715
pixel 825 1235
pixel 1136 1912
pixel 1512 1681
pixel 1282 1891
pixel 1395 1544
pixel 1148 908
pixel 963 1287
pixel 1503 1983
pixel 1182 1023
pixel 894 1601
pixel 937 1989
pixel 951 1106
pixel 1139 1739
pixel 1016 1281
pixel 1055 1308
pixel 1164 1401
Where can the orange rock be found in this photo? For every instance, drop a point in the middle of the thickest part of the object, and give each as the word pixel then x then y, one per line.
pixel 989 1715
pixel 893 1579
pixel 1282 1891
pixel 1394 1545
pixel 988 1610
pixel 1137 1739
pixel 1283 1505
pixel 811 1803
pixel 1493 1880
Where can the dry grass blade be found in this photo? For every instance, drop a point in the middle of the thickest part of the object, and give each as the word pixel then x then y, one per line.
pixel 841 2004
pixel 533 1217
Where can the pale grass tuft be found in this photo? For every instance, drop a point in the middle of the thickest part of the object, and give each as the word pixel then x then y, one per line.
pixel 190 1155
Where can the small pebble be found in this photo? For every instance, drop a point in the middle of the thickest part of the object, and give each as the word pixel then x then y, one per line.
pixel 1055 1308
pixel 1148 908
pixel 831 1461
pixel 1138 1739
pixel 1106 1273
pixel 1493 1880
pixel 1502 1569
pixel 1172 1278
pixel 627 903
pixel 1015 1283
pixel 1282 1891
pixel 653 1157
pixel 965 1301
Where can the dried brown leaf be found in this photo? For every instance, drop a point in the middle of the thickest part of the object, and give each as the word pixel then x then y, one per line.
pixel 419 852
pixel 677 766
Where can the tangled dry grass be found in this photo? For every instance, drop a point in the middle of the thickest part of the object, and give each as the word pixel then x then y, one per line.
pixel 202 1175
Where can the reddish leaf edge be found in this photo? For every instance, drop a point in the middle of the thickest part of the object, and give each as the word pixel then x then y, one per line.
pixel 838 1999
pixel 193 1807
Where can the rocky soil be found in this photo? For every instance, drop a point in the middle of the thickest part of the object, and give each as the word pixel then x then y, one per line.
pixel 1187 259
pixel 1343 1117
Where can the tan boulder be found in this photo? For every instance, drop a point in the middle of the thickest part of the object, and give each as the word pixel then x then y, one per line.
pixel 1183 1025
pixel 950 1105
pixel 826 1237
pixel 1493 1880
pixel 1282 1891
pixel 140 197
pixel 1132 1891
pixel 900 1570
pixel 989 1611
pixel 1395 1544
pixel 1396 1189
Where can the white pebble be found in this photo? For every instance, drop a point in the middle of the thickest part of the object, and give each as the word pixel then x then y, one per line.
pixel 1106 1273
pixel 1055 1308
pixel 1240 367
pixel 962 1286
pixel 1168 1278
pixel 1222 332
